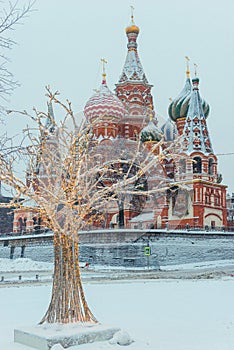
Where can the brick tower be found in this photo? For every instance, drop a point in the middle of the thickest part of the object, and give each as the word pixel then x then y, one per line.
pixel 197 197
pixel 133 89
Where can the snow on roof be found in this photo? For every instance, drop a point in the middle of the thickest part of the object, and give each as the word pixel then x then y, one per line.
pixel 143 217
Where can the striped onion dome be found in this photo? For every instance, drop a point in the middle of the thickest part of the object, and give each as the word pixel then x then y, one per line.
pixel 150 133
pixel 104 104
pixel 180 105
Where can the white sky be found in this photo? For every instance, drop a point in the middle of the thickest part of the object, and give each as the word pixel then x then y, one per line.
pixel 62 42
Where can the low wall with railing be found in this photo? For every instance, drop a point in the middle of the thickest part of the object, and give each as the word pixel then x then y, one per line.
pixel 126 248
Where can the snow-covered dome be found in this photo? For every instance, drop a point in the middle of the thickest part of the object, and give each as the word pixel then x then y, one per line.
pixel 169 130
pixel 104 104
pixel 151 133
pixel 180 105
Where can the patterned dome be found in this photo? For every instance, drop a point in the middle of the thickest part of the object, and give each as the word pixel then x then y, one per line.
pixel 104 104
pixel 151 133
pixel 169 130
pixel 180 105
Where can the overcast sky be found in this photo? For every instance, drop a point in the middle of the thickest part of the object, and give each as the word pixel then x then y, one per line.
pixel 62 42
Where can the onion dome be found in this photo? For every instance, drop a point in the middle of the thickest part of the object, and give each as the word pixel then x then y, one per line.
pixel 104 104
pixel 132 28
pixel 180 105
pixel 169 130
pixel 150 133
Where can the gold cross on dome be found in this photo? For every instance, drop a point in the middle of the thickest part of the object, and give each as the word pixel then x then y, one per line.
pixel 195 69
pixel 132 13
pixel 104 62
pixel 187 64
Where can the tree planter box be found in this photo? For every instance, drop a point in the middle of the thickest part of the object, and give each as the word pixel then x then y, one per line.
pixel 43 337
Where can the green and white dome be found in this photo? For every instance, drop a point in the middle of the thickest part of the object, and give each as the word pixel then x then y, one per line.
pixel 151 133
pixel 180 105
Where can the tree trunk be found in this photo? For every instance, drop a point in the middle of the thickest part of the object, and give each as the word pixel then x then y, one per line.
pixel 68 302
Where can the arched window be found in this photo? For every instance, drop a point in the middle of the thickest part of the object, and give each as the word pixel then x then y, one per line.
pixel 211 166
pixel 197 165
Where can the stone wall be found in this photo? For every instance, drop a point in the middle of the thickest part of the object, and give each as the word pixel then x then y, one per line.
pixel 165 250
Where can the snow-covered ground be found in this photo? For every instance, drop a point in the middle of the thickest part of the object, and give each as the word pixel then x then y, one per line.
pixel 26 271
pixel 23 264
pixel 159 315
pixel 28 265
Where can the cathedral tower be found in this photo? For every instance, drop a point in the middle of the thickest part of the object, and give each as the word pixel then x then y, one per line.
pixel 133 89
pixel 200 198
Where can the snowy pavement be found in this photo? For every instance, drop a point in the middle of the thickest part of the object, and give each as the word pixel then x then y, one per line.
pixel 159 314
pixel 24 271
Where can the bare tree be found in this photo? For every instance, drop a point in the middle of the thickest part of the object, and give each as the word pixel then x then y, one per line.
pixel 66 181
pixel 9 18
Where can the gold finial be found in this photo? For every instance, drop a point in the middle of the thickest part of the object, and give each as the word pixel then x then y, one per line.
pixel 195 69
pixel 132 14
pixel 170 99
pixel 187 65
pixel 104 61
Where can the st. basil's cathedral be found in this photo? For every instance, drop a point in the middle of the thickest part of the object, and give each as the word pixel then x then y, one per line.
pixel 127 115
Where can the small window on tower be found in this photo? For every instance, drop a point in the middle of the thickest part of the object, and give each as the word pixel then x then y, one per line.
pixel 197 165
pixel 211 166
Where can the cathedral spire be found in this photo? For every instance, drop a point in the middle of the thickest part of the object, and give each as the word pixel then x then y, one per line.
pixel 196 136
pixel 132 70
pixel 133 88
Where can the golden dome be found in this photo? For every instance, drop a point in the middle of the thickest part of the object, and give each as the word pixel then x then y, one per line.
pixel 132 29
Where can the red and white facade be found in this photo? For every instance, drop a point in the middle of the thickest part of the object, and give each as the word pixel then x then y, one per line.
pixel 203 204
pixel 195 195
